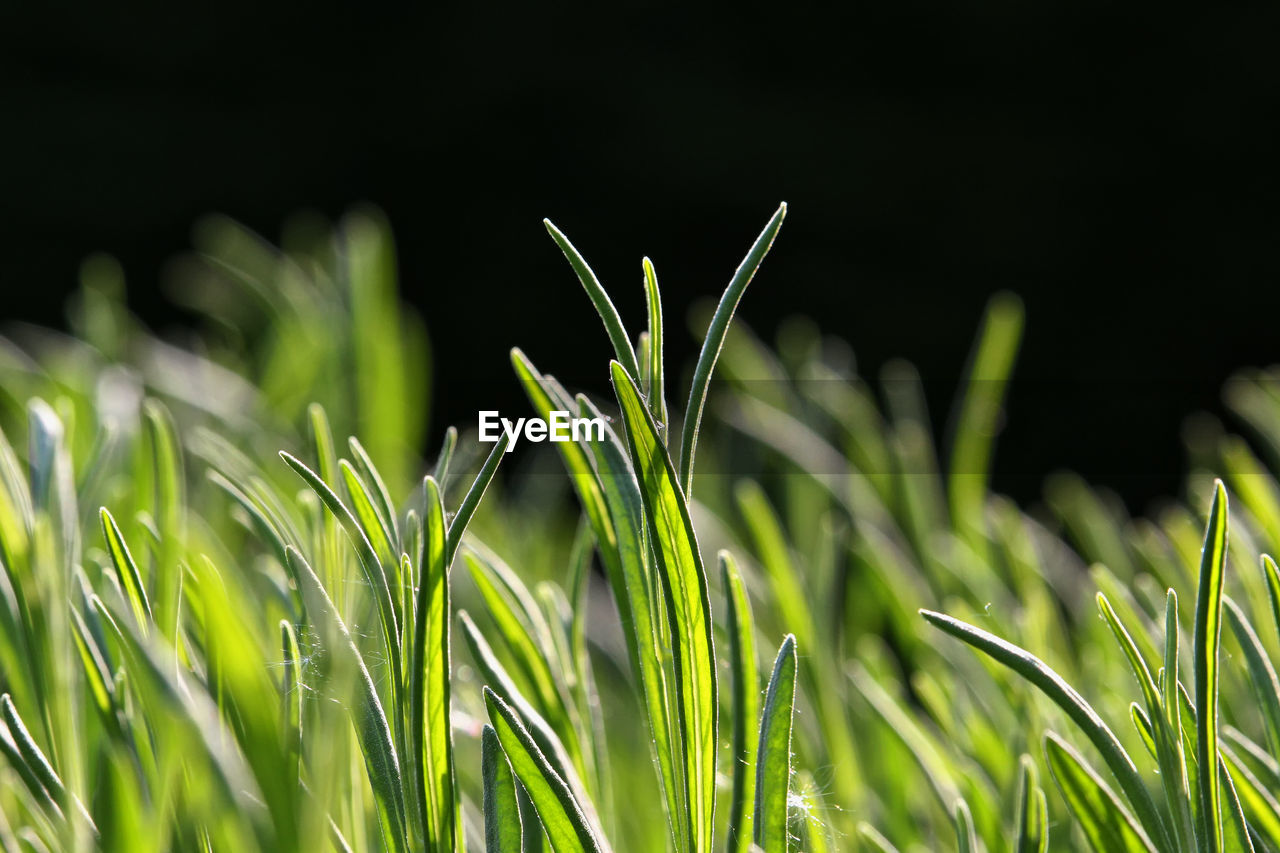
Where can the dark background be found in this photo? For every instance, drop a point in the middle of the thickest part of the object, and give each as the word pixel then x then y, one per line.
pixel 1114 165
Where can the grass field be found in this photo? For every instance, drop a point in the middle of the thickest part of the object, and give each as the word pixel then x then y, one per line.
pixel 225 625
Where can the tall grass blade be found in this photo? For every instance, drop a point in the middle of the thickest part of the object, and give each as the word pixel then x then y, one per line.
pixel 688 599
pixel 746 702
pixel 127 570
pixel 1213 563
pixel 714 341
pixel 654 383
pixel 773 765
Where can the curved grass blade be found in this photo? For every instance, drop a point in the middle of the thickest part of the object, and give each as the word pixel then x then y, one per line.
pixel 376 529
pixel 376 742
pixel 684 581
pixel 773 767
pixel 714 340
pixel 654 385
pixel 502 830
pixel 966 837
pixel 1033 811
pixel 430 731
pixel 471 501
pixel 746 701
pixel 1039 674
pixel 1213 563
pixel 369 562
pixel 127 570
pixel 612 321
pixel 562 817
pixel 1105 821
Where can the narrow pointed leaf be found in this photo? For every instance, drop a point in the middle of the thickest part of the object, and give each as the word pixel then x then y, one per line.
pixel 1105 821
pixel 773 767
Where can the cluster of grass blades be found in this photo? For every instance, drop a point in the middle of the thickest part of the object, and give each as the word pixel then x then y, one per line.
pixel 216 634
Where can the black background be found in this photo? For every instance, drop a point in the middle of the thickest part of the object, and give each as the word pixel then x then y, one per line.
pixel 1114 165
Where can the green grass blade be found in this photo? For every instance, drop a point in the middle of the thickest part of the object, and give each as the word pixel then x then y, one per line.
pixel 966 837
pixel 292 688
pixel 626 354
pixel 773 766
pixel 471 501
pixel 1262 675
pixel 375 529
pixel 378 491
pixel 1272 575
pixel 441 470
pixel 430 730
pixel 746 702
pixel 1033 811
pixel 979 415
pixel 685 583
pixel 374 574
pixel 127 570
pixel 562 817
pixel 1208 631
pixel 713 342
pixel 1109 827
pixel 502 831
pixel 1039 674
pixel 654 385
pixel 372 728
pixel 170 500
pixel 1168 750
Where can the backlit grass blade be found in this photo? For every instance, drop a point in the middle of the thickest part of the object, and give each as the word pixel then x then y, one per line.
pixel 1109 827
pixel 375 529
pixel 1174 777
pixel 746 702
pixel 625 353
pixel 688 599
pixel 502 832
pixel 170 500
pixel 369 563
pixel 430 731
pixel 1032 829
pixel 441 470
pixel 561 815
pixel 1262 675
pixel 773 760
pixel 1167 747
pixel 1273 587
pixel 544 737
pixel 1213 563
pixel 378 491
pixel 1039 674
pixel 127 570
pixel 471 501
pixel 372 728
pixel 714 340
pixel 654 385
pixel 966 837
pixel 31 754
